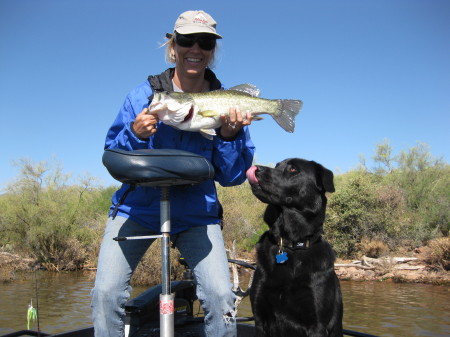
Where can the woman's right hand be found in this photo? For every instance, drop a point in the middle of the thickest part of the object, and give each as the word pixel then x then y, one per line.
pixel 145 124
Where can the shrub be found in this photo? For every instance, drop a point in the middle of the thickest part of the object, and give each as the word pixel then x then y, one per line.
pixel 425 182
pixel 148 271
pixel 439 253
pixel 349 216
pixel 373 248
pixel 402 202
pixel 243 216
pixel 45 218
pixel 365 207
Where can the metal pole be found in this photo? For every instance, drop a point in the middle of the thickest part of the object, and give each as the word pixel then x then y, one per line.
pixel 166 299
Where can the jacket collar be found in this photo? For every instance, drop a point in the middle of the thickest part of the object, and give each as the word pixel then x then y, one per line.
pixel 163 81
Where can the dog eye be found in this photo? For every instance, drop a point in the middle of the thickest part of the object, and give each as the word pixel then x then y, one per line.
pixel 292 169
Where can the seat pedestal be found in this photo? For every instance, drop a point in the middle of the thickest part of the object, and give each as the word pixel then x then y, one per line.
pixel 158 168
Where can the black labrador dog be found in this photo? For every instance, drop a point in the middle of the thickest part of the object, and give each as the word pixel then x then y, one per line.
pixel 295 290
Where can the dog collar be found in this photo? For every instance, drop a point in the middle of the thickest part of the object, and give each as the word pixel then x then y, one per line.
pixel 282 256
pixel 300 245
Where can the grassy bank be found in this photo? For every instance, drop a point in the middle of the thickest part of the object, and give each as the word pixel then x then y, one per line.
pixel 393 209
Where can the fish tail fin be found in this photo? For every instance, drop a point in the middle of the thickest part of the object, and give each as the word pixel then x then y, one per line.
pixel 289 108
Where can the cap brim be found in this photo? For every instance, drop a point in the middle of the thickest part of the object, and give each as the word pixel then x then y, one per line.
pixel 196 30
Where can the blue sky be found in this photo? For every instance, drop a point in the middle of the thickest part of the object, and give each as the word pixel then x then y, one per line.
pixel 366 71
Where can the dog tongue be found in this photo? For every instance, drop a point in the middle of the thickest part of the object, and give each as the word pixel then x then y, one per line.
pixel 251 175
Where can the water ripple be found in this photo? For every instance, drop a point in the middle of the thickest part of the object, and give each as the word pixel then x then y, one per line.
pixel 381 308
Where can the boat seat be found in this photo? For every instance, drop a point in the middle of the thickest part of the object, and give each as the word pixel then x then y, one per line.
pixel 157 167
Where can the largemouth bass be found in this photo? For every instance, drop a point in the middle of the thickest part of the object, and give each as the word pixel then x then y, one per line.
pixel 200 112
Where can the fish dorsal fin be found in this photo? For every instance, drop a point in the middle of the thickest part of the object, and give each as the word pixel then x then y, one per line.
pixel 247 88
pixel 208 113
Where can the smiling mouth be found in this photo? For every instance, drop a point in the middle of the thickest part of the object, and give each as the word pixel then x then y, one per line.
pixel 193 60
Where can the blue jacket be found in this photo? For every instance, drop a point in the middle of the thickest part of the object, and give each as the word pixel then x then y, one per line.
pixel 190 206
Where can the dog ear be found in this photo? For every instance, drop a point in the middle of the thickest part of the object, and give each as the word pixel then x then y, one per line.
pixel 327 179
pixel 271 214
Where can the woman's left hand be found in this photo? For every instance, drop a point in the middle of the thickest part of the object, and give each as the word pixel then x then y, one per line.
pixel 234 122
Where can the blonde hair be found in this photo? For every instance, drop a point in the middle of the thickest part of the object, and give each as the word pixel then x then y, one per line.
pixel 170 52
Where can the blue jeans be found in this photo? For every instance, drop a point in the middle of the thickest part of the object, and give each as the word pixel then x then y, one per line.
pixel 204 251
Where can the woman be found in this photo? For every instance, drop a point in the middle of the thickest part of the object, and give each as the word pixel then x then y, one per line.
pixel 195 219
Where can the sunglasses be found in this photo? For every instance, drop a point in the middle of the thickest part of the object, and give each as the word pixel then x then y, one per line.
pixel 205 41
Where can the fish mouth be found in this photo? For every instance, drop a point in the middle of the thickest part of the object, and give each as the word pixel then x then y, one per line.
pixel 189 115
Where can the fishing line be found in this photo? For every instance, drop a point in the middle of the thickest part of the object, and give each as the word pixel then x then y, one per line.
pixel 37 302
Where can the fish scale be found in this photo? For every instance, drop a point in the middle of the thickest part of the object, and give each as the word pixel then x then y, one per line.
pixel 245 102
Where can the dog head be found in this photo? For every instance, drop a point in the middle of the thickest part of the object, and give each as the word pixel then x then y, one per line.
pixel 296 186
pixel 293 182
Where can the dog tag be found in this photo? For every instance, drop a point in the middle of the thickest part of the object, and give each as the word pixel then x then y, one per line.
pixel 281 257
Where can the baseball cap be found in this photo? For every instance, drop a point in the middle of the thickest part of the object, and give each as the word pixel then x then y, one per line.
pixel 192 22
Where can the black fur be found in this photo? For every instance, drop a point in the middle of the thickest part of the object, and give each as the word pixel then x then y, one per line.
pixel 302 296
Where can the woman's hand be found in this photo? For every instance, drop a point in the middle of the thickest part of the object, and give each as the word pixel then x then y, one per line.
pixel 234 122
pixel 145 124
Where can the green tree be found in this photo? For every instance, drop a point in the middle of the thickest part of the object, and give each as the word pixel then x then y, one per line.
pixel 383 157
pixel 404 199
pixel 425 181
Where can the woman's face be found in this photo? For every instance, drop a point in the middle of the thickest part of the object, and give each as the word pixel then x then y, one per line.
pixel 192 61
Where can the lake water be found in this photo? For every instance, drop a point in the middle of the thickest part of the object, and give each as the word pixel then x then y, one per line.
pixel 379 308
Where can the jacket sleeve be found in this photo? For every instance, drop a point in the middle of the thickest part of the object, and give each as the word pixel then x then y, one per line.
pixel 232 159
pixel 120 134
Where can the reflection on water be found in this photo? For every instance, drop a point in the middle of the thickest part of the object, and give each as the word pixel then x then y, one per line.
pixel 390 309
pixel 381 308
pixel 64 300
